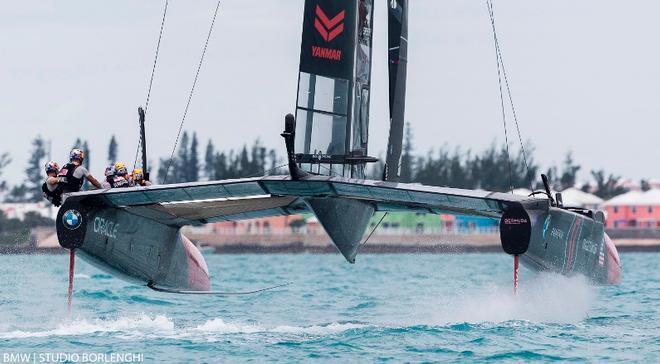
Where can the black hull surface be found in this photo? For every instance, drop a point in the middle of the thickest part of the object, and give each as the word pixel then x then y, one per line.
pixel 133 247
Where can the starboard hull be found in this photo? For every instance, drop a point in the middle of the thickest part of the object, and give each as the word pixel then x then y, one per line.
pixel 569 243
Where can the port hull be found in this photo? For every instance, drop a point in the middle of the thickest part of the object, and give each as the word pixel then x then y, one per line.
pixel 132 247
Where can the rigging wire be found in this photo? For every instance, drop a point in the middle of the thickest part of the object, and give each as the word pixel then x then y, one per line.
pixel 374 229
pixel 192 90
pixel 508 89
pixel 499 80
pixel 151 80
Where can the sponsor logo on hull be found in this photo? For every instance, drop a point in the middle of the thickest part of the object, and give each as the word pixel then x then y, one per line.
pixel 72 219
pixel 105 227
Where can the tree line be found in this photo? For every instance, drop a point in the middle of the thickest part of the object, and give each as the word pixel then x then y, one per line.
pixel 497 168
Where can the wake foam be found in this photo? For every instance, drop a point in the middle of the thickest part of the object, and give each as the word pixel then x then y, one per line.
pixel 218 325
pixel 136 324
pixel 320 330
pixel 162 326
pixel 546 298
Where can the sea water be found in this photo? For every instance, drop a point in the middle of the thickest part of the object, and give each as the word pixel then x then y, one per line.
pixel 389 308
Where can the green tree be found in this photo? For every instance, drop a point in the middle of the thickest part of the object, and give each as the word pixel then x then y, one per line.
pixel 220 168
pixel 607 186
pixel 33 219
pixel 209 161
pixel 18 193
pixel 4 161
pixel 180 171
pixel 77 144
pixel 244 162
pixel 257 164
pixel 87 161
pixel 272 158
pixel 112 150
pixel 162 170
pixel 34 171
pixel 193 162
pixel 569 172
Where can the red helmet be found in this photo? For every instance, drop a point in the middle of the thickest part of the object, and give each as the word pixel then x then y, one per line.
pixel 77 154
pixel 52 167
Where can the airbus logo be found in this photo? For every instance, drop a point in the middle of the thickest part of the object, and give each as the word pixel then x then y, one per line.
pixel 72 219
pixel 328 28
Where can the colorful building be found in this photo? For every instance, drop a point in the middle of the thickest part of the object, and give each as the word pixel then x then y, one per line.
pixel 634 209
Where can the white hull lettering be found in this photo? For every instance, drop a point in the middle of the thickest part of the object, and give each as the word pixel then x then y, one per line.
pixel 105 227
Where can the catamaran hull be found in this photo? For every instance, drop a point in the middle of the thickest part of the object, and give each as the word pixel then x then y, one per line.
pixel 136 232
pixel 132 247
pixel 567 243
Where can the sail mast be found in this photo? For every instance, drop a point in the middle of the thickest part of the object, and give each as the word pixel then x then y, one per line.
pixel 397 35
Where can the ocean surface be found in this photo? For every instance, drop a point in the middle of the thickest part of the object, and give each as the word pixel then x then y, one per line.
pixel 385 308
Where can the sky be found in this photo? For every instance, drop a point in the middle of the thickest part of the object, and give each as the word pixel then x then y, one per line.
pixel 584 77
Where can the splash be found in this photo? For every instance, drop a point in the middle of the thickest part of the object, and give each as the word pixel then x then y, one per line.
pixel 162 326
pixel 546 298
pixel 219 326
pixel 134 325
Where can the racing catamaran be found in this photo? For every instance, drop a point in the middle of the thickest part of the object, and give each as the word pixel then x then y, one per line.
pixel 135 233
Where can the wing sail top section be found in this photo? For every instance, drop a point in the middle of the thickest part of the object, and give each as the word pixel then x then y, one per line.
pixel 231 200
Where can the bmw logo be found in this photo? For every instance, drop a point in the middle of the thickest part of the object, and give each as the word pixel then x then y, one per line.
pixel 72 219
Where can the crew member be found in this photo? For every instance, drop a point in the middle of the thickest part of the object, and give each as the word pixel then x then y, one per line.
pixel 109 175
pixel 51 189
pixel 138 178
pixel 73 175
pixel 120 179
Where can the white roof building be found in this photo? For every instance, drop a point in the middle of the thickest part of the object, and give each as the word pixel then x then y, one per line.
pixel 577 198
pixel 655 183
pixel 522 192
pixel 636 198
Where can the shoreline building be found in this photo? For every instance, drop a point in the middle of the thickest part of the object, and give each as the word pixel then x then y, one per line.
pixel 634 210
pixel 575 197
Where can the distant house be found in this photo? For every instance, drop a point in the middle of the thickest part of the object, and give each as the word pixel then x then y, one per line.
pixel 575 197
pixel 634 209
pixel 261 226
pixel 654 183
pixel 18 210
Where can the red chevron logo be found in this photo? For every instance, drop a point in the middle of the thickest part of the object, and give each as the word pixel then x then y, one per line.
pixel 329 28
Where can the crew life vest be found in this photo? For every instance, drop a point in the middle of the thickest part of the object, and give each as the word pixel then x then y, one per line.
pixel 55 196
pixel 66 181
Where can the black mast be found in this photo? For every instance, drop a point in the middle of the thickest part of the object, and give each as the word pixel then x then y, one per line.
pixel 143 140
pixel 397 35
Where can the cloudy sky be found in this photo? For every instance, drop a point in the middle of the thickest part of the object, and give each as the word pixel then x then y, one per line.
pixel 585 76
